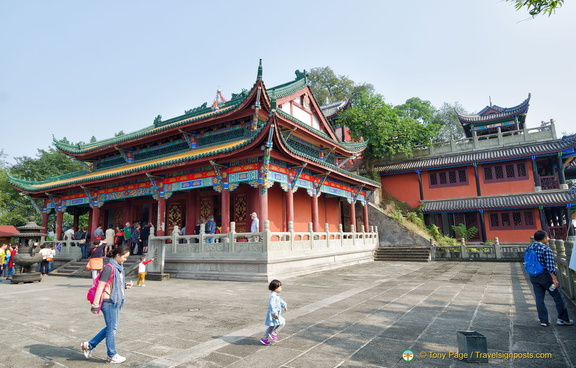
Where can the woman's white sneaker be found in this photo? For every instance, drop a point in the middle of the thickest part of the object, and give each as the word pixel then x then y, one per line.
pixel 116 359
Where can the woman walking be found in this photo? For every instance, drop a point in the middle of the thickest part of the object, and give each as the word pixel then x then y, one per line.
pixel 109 298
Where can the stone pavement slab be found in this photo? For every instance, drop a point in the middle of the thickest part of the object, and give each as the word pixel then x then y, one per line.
pixel 365 315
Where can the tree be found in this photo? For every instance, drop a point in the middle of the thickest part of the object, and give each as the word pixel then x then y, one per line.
pixel 328 87
pixel 15 209
pixel 417 109
pixel 536 7
pixel 447 119
pixel 388 133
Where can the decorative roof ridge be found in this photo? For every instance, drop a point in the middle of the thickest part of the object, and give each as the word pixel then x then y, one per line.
pixel 505 112
pixel 143 167
pixel 496 196
pixel 511 201
pixel 351 147
pixel 171 123
pixel 288 88
pixel 326 164
pixel 493 154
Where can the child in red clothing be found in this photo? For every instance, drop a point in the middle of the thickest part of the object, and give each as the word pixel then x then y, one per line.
pixel 142 271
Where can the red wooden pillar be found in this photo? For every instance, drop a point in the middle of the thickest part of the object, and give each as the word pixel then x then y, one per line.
pixel 191 212
pixel 263 206
pixel 225 210
pixel 315 225
pixel 45 222
pixel 290 205
pixel 76 222
pixel 94 220
pixel 58 230
pixel 365 217
pixel 161 225
pixel 353 215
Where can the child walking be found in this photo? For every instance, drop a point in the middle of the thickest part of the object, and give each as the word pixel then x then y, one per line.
pixel 142 271
pixel 274 319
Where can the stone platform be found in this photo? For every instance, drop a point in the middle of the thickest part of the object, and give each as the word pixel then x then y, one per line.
pixel 365 315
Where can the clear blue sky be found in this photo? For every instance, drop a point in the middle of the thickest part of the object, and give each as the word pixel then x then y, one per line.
pixel 78 69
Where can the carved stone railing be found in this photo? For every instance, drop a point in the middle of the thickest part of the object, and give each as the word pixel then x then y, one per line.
pixel 258 256
pixel 512 252
pixel 495 140
pixel 493 251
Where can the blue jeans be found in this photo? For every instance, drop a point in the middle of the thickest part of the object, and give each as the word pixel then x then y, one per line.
pixel 111 316
pixel 84 250
pixel 540 284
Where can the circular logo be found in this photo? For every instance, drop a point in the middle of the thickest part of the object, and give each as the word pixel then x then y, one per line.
pixel 407 355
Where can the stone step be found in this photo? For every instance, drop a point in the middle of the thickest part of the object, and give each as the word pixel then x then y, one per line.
pixel 78 268
pixel 409 254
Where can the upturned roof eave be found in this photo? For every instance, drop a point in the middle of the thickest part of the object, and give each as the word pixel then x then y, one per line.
pixel 145 167
pixel 317 134
pixel 168 127
pixel 324 166
pixel 507 113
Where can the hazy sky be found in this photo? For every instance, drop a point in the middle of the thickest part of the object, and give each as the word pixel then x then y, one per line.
pixel 78 69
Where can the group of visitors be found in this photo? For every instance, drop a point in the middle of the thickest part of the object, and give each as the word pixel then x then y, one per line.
pixel 8 253
pixel 134 235
pixel 7 265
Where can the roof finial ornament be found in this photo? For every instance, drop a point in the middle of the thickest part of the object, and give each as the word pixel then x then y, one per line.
pixel 301 74
pixel 490 100
pixel 219 100
pixel 259 77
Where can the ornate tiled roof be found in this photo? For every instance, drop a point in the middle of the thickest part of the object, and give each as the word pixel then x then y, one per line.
pixel 493 155
pixel 525 200
pixel 85 177
pixel 300 153
pixel 288 88
pixel 334 108
pixel 158 126
pixel 494 112
pixel 348 146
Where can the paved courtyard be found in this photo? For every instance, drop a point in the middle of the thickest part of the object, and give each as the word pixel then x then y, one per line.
pixel 360 316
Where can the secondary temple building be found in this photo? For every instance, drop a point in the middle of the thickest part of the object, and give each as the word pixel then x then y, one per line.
pixel 503 178
pixel 266 150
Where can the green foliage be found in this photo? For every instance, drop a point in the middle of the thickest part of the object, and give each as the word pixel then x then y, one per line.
pixel 371 118
pixel 416 218
pixel 536 7
pixel 447 119
pixel 463 232
pixel 434 232
pixel 397 215
pixel 417 109
pixel 15 209
pixel 447 241
pixel 328 87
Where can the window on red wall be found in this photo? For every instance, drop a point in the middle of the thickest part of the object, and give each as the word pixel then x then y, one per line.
pixel 503 172
pixel 512 220
pixel 448 178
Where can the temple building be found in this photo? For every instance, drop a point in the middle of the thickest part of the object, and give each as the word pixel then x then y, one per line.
pixel 265 150
pixel 503 178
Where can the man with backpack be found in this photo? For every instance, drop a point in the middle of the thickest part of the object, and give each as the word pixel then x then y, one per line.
pixel 540 264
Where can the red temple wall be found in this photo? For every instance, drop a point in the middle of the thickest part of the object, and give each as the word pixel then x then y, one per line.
pixel 457 191
pixel 302 210
pixel 508 187
pixel 276 209
pixel 328 212
pixel 404 187
pixel 520 235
